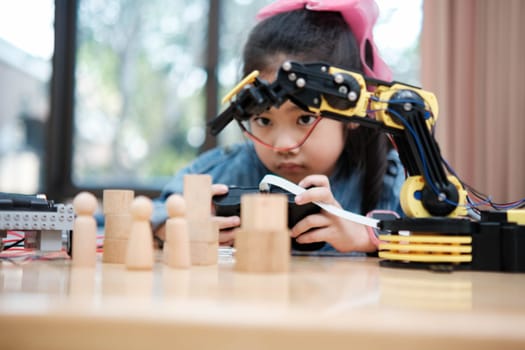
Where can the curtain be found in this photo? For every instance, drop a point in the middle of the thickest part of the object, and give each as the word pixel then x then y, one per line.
pixel 473 59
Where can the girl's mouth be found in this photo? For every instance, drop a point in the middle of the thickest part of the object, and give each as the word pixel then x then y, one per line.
pixel 290 167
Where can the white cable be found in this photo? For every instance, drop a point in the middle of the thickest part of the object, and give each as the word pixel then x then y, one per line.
pixel 268 180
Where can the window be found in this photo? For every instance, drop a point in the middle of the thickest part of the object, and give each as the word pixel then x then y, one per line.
pixel 397 36
pixel 145 75
pixel 26 47
pixel 139 90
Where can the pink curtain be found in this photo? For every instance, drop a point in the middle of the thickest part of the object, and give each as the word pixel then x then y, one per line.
pixel 473 59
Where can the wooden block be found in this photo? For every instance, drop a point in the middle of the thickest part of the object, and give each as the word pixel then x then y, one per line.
pixel 204 241
pixel 117 226
pixel 203 230
pixel 262 251
pixel 264 212
pixel 204 253
pixel 114 251
pixel 262 243
pixel 197 195
pixel 116 201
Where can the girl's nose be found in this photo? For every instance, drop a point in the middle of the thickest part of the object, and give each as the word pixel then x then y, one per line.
pixel 286 141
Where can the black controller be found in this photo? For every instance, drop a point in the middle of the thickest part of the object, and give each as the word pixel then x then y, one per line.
pixel 230 204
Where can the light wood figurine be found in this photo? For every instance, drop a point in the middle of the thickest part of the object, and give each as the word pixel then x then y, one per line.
pixel 139 255
pixel 84 245
pixel 177 245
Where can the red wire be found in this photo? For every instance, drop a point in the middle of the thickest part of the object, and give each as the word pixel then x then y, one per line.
pixel 280 149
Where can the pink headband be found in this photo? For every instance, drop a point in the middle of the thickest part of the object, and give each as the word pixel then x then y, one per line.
pixel 360 15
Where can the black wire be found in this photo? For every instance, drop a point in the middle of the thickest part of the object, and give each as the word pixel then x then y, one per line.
pixel 482 196
pixel 486 199
pixel 14 244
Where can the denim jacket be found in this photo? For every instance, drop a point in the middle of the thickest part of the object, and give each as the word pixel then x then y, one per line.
pixel 238 165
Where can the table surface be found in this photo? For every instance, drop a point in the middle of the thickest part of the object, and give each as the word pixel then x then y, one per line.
pixel 339 303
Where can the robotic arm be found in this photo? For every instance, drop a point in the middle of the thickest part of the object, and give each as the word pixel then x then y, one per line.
pixel 440 234
pixel 405 112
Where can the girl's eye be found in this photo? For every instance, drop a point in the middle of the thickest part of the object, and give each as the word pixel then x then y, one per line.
pixel 262 121
pixel 306 119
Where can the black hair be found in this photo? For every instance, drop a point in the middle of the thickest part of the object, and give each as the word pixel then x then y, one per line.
pixel 312 36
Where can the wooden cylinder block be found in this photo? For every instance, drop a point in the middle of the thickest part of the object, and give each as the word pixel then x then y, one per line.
pixel 117 226
pixel 204 230
pixel 264 212
pixel 114 251
pixel 262 251
pixel 117 201
pixel 197 195
pixel 204 253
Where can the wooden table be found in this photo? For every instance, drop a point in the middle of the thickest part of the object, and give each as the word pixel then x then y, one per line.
pixel 323 303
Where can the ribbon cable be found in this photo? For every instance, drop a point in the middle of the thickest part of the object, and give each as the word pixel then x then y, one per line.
pixel 274 180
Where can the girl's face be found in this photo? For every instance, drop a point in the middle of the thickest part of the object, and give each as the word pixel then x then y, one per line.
pixel 285 127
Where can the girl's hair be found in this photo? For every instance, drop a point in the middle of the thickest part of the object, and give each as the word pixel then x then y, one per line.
pixel 311 36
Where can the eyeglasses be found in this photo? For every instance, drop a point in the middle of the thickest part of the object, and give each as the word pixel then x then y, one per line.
pixel 258 131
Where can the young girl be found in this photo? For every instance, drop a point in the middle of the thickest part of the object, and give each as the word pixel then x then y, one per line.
pixel 342 164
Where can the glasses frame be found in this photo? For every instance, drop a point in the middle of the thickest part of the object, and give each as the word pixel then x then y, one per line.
pixel 254 138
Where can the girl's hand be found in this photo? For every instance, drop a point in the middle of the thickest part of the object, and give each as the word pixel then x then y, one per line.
pixel 343 235
pixel 226 223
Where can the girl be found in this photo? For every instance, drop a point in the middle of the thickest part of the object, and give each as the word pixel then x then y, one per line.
pixel 341 164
